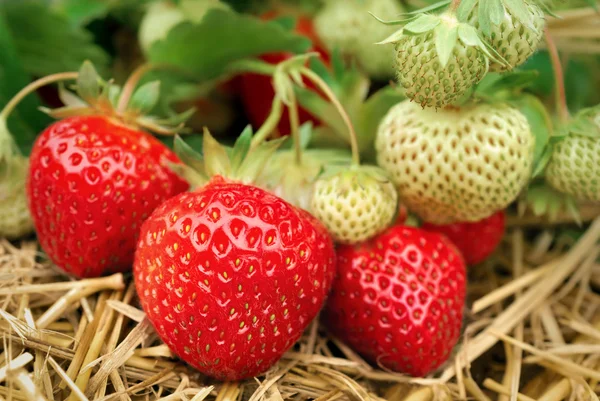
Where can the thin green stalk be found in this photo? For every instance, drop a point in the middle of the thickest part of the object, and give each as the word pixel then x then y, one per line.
pixel 253 66
pixel 130 85
pixel 295 128
pixel 270 123
pixel 322 85
pixel 559 81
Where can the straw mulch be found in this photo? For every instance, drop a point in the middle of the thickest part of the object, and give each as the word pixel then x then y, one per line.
pixel 532 325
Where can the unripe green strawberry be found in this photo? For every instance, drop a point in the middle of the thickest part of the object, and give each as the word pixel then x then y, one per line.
pixel 574 167
pixel 513 39
pixel 293 181
pixel 15 220
pixel 164 15
pixel 456 165
pixel 355 203
pixel 438 59
pixel 347 25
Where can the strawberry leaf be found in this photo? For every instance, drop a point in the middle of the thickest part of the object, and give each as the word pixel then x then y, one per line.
pixel 50 43
pixel 228 33
pixel 25 122
pixel 81 12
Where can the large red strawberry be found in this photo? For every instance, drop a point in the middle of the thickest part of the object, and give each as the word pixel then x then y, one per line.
pixel 257 90
pixel 398 299
pixel 92 181
pixel 231 275
pixel 476 241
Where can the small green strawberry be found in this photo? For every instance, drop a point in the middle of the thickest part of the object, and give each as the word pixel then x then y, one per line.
pixel 574 166
pixel 456 165
pixel 346 25
pixel 354 203
pixel 515 39
pixel 293 181
pixel 438 59
pixel 15 219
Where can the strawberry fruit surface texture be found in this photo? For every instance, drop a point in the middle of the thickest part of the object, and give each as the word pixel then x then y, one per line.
pixel 91 184
pixel 230 276
pixel 398 299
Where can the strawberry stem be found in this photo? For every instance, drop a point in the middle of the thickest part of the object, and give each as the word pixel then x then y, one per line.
pixel 561 96
pixel 33 86
pixel 270 123
pixel 454 5
pixel 295 128
pixel 251 66
pixel 322 85
pixel 130 86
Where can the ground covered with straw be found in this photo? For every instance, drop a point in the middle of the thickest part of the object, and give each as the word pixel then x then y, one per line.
pixel 532 331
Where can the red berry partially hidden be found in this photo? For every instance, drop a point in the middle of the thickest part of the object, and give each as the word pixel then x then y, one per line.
pixel 91 183
pixel 398 299
pixel 476 241
pixel 231 275
pixel 257 90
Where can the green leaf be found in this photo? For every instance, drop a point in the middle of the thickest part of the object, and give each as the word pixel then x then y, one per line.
pixel 25 121
pixel 464 9
pixel 519 10
pixel 422 24
pixel 229 35
pixel 145 97
pixel 241 148
pixel 81 12
pixel 216 159
pixel 445 40
pixel 47 42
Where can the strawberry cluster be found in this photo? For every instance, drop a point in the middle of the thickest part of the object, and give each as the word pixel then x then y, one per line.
pixel 236 250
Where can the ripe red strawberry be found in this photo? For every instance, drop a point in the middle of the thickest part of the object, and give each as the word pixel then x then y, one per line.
pixel 91 184
pixel 257 90
pixel 398 299
pixel 231 275
pixel 94 176
pixel 476 241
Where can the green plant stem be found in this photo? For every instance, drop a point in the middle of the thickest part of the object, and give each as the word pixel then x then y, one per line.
pixel 249 65
pixel 33 86
pixel 131 84
pixel 559 81
pixel 270 123
pixel 295 128
pixel 322 85
pixel 454 5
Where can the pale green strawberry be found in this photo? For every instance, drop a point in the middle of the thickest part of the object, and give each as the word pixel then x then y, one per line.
pixel 438 59
pixel 163 15
pixel 15 220
pixel 346 25
pixel 355 203
pixel 459 164
pixel 511 38
pixel 574 167
pixel 285 177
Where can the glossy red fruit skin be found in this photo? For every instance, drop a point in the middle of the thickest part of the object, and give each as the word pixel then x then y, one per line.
pixel 257 91
pixel 476 241
pixel 398 299
pixel 90 185
pixel 231 275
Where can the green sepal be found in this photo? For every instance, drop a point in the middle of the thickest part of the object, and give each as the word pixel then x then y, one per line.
pixel 539 165
pixel 145 98
pixel 257 159
pixel 216 158
pixel 464 9
pixel 69 111
pixel 544 200
pixel 188 155
pixel 241 148
pixel 88 83
pixel 491 12
pixel 431 8
pixel 541 126
pixel 424 23
pixel 445 41
pixel 518 9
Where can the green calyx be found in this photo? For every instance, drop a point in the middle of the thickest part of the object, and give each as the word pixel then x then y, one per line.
pixel 243 162
pixel 361 176
pixel 95 96
pixel 448 32
pixel 492 12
